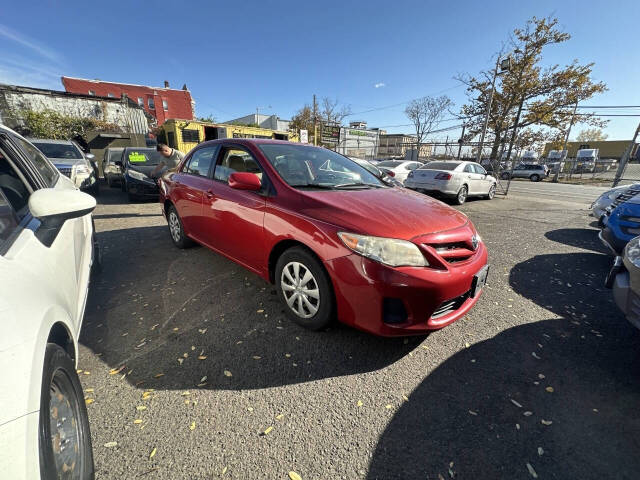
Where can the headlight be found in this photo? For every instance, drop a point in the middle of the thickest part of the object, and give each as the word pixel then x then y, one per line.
pixel 138 175
pixel 82 169
pixel 632 251
pixel 389 251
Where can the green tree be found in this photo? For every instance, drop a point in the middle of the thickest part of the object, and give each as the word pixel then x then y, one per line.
pixel 591 135
pixel 529 91
pixel 52 124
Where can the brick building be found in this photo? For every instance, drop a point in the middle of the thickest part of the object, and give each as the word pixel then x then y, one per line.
pixel 160 102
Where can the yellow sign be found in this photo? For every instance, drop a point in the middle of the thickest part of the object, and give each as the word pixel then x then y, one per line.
pixel 135 157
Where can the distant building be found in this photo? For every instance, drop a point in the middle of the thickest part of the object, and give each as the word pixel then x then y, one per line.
pixel 359 143
pixel 609 149
pixel 358 124
pixel 272 122
pixel 161 103
pixel 400 145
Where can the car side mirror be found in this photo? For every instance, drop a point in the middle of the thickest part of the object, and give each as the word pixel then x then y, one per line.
pixel 89 156
pixel 245 181
pixel 53 207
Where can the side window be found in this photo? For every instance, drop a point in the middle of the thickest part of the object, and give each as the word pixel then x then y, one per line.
pixel 468 168
pixel 200 162
pixel 480 169
pixel 48 172
pixel 412 166
pixel 14 194
pixel 234 160
pixel 8 218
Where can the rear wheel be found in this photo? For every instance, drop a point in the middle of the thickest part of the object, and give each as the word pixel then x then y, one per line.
pixel 461 197
pixel 63 434
pixel 492 192
pixel 176 230
pixel 535 177
pixel 305 289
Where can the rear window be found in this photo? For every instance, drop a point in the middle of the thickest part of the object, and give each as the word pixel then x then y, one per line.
pixel 440 166
pixel 389 164
pixel 59 150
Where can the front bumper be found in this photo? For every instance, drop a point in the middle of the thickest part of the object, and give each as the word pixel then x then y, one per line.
pixel 626 299
pixel 403 301
pixel 142 189
pixel 611 242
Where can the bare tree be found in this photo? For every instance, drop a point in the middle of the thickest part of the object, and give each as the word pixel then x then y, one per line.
pixel 333 112
pixel 426 114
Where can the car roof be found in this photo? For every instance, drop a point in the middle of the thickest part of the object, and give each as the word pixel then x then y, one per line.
pixel 50 140
pixel 255 141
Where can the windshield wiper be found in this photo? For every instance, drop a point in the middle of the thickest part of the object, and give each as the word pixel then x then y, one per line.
pixel 313 185
pixel 357 184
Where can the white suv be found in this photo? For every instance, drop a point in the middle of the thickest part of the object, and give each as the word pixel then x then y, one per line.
pixel 47 248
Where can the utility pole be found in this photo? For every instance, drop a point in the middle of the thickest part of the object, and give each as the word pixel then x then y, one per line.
pixel 488 112
pixel 513 139
pixel 315 120
pixel 460 141
pixel 564 146
pixel 625 158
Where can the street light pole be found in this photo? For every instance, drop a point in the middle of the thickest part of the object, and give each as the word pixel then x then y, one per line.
pixel 488 112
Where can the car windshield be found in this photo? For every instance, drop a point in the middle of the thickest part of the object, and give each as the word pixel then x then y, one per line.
pixel 440 166
pixel 115 155
pixel 369 166
pixel 142 156
pixel 59 150
pixel 390 163
pixel 313 167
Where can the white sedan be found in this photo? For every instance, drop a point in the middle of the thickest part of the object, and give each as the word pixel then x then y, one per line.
pixel 454 179
pixel 47 249
pixel 400 168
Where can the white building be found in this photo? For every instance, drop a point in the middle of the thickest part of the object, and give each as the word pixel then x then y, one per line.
pixel 272 122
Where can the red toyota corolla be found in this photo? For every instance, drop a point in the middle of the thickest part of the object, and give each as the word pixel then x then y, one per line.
pixel 336 240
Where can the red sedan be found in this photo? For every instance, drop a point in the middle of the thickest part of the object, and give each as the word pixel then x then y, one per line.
pixel 336 240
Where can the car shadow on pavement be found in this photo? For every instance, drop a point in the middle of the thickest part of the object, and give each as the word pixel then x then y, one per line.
pixel 585 238
pixel 168 318
pixel 561 395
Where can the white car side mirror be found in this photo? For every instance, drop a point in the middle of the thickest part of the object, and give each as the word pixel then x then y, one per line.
pixel 59 205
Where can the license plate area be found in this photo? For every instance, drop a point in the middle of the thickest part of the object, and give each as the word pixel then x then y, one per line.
pixel 479 281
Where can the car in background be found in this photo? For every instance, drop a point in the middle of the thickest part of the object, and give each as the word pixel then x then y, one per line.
pixel 624 279
pixel 137 164
pixel 400 168
pixel 532 171
pixel 454 179
pixel 69 159
pixel 381 259
pixel 604 201
pixel 110 170
pixel 47 249
pixel 384 174
pixel 621 223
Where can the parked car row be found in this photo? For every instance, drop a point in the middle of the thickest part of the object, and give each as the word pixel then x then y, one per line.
pixel 618 214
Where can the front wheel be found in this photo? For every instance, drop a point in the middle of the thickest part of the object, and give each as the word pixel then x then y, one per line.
pixel 176 229
pixel 534 178
pixel 492 192
pixel 63 434
pixel 305 289
pixel 461 197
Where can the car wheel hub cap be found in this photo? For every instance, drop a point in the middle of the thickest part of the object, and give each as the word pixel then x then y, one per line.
pixel 65 434
pixel 300 289
pixel 174 226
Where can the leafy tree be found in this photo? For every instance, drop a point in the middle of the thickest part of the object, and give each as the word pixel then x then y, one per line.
pixel 536 95
pixel 208 118
pixel 426 114
pixel 303 120
pixel 591 135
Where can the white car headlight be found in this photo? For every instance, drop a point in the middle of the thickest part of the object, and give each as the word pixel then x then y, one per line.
pixel 390 251
pixel 81 169
pixel 138 175
pixel 632 251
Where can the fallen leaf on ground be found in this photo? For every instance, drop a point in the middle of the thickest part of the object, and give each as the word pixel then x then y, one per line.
pixel 180 360
pixel 202 357
pixel 202 330
pixel 515 403
pixel 267 430
pixel 532 471
pixel 192 426
pixel 175 329
pixel 256 357
pixel 466 345
pixel 110 444
pixel 388 407
pixel 294 476
pixel 517 426
pixel 89 390
pixel 360 403
pixel 186 393
pixel 137 421
pixel 141 407
pixel 158 375
pixel 535 355
pixel 546 422
pixel 288 355
pixel 540 451
pixel 473 413
pixel 279 417
pixel 203 379
pixel 227 373
pixel 224 470
pixel 153 452
pixel 549 389
pixel 114 371
pixel 261 311
pixel 87 372
pixel 250 409
pixel 89 401
pixel 527 413
pixel 153 327
pixel 405 398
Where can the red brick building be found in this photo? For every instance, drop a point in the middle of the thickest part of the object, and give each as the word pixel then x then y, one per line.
pixel 160 102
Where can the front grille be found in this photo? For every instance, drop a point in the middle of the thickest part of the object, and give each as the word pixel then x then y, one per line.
pixel 450 306
pixel 453 252
pixel 625 196
pixel 65 171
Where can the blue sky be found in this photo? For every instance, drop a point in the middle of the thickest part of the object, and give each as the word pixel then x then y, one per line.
pixel 236 56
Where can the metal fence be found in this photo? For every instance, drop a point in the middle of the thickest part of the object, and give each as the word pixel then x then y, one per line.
pixel 577 169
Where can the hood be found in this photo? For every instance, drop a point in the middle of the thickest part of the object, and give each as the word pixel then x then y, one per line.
pixel 146 169
pixel 386 212
pixel 68 162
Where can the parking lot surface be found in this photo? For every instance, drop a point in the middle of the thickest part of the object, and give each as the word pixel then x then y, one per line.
pixel 192 371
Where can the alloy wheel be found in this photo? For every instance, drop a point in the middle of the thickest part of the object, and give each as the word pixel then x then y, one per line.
pixel 174 226
pixel 300 289
pixel 65 429
pixel 462 195
pixel 492 192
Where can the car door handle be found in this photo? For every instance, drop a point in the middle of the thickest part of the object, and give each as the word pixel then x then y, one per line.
pixel 210 194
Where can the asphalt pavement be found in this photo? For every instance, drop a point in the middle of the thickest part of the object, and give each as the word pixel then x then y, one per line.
pixel 192 371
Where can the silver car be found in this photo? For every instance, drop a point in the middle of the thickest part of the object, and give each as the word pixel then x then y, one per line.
pixel 532 171
pixel 71 162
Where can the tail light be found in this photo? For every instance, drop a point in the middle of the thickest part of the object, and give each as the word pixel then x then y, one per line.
pixel 391 173
pixel 443 176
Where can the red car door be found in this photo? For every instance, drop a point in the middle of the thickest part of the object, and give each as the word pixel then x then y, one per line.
pixel 233 219
pixel 191 184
